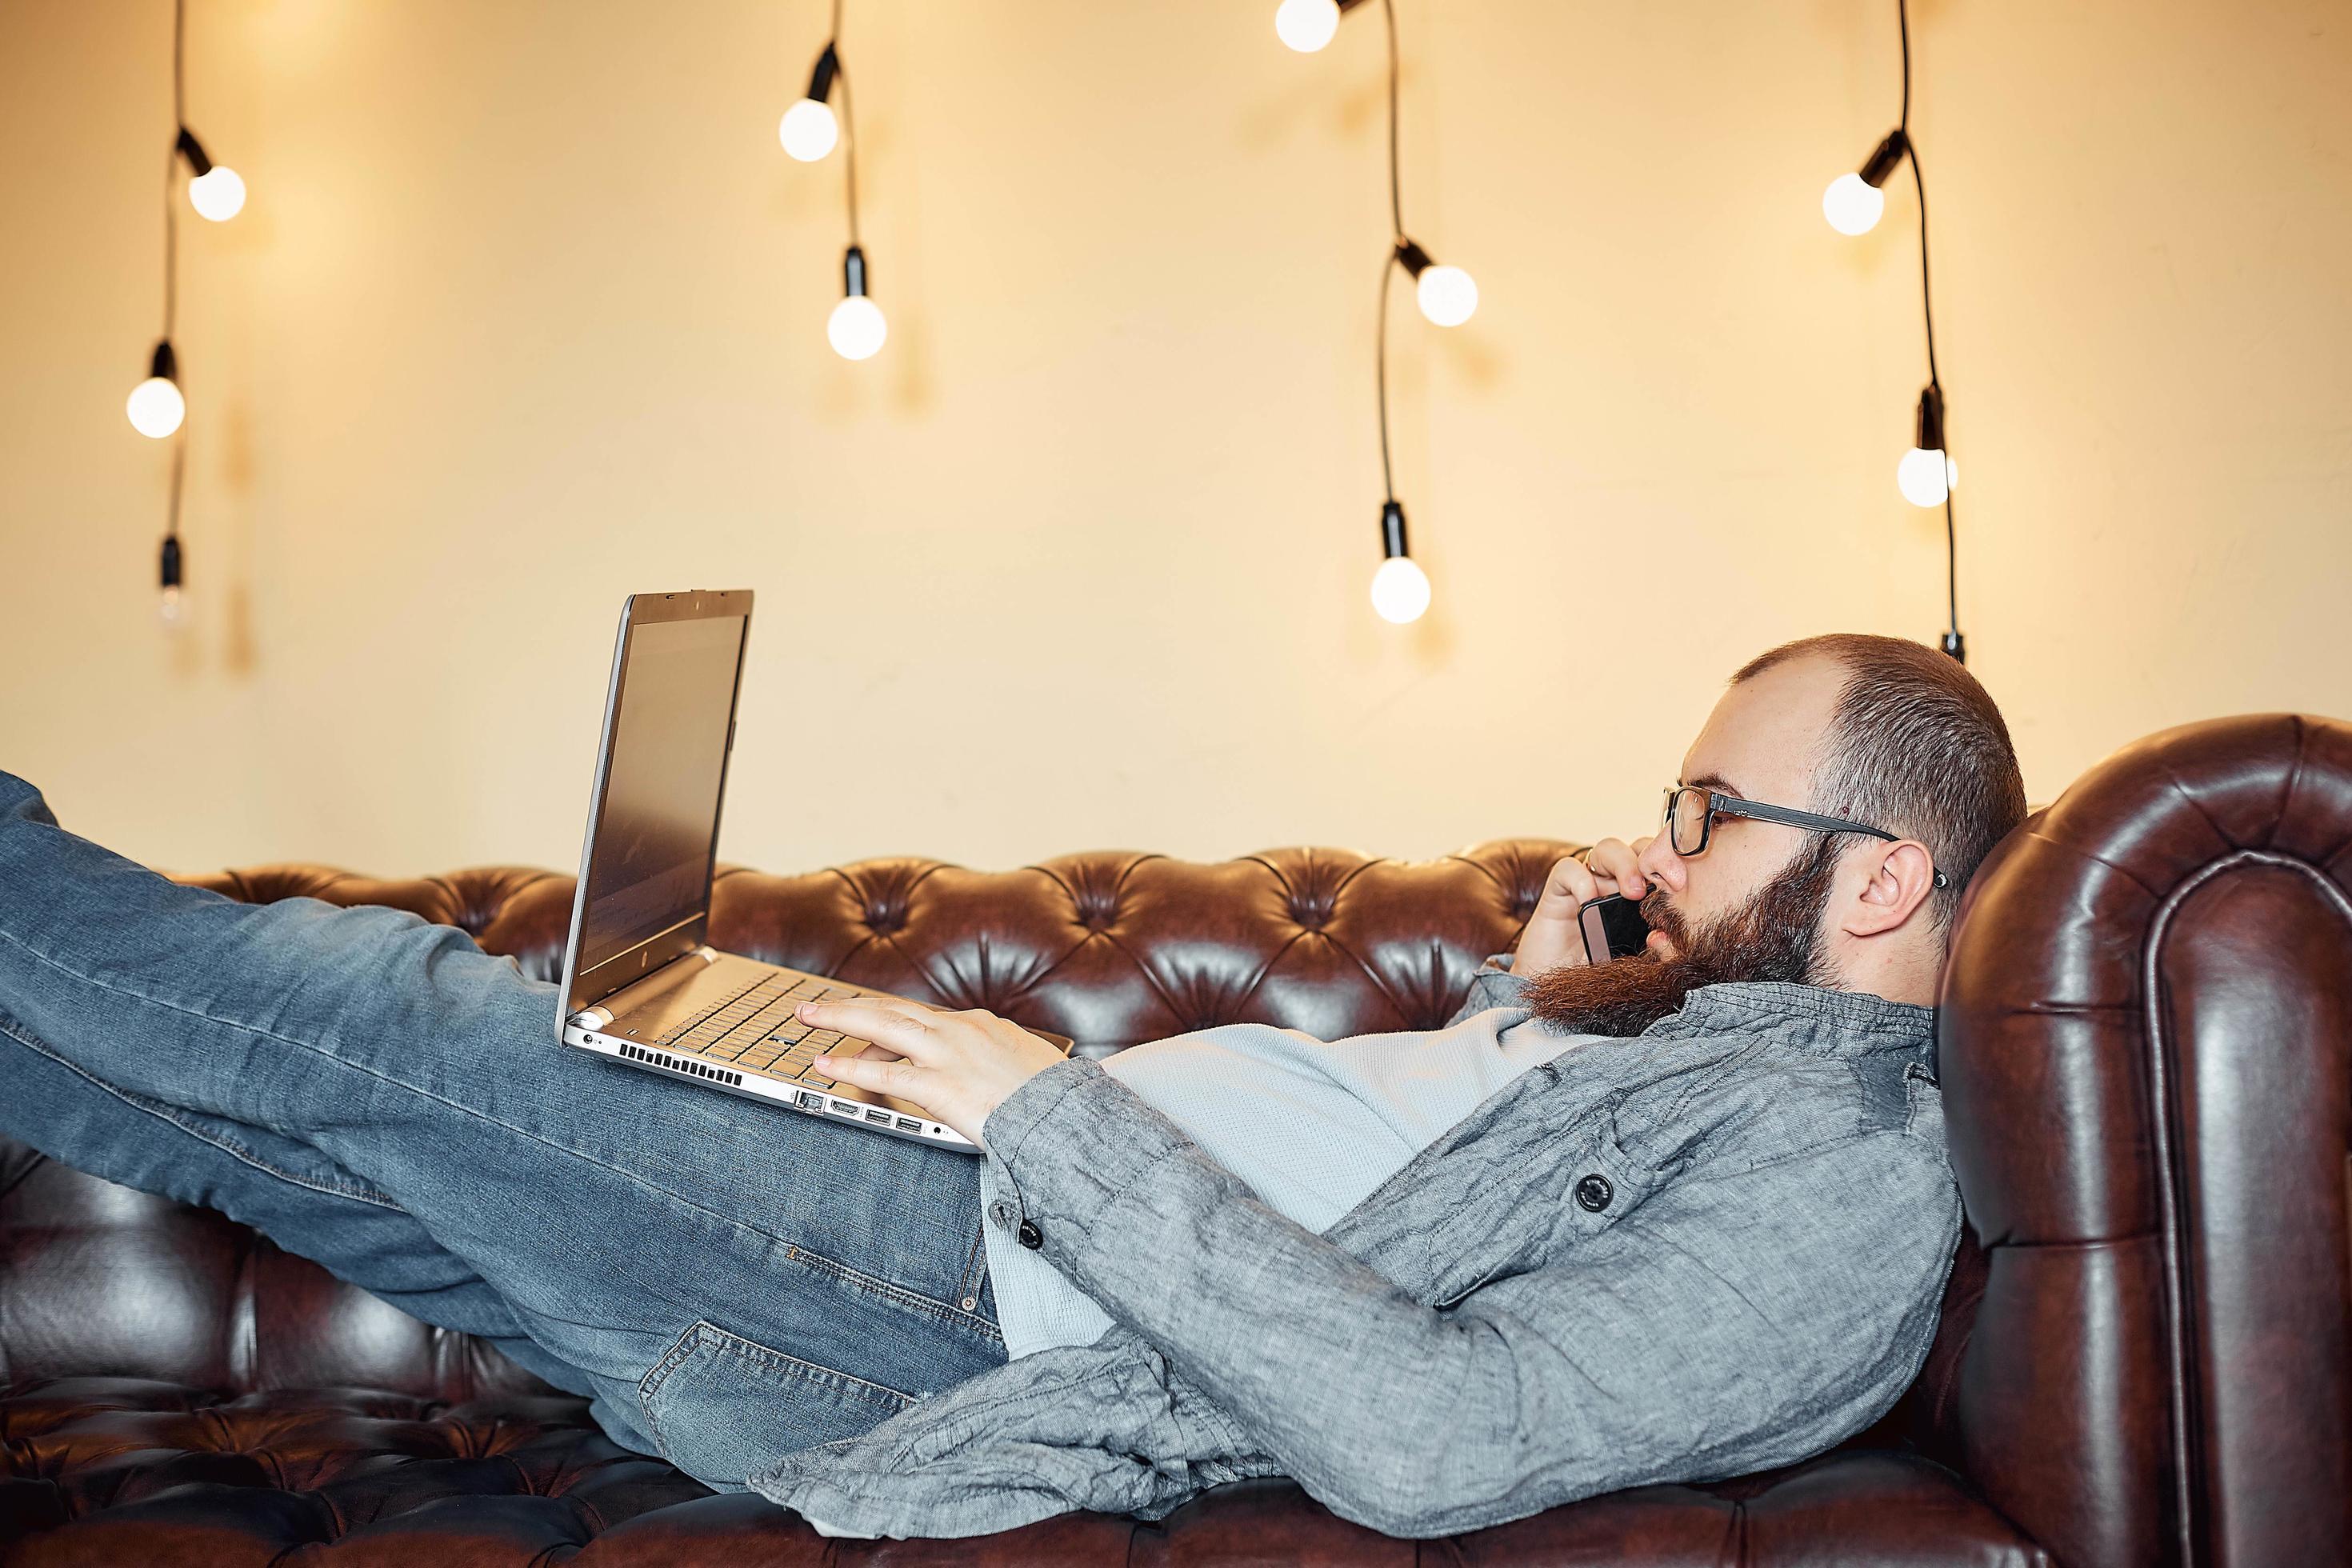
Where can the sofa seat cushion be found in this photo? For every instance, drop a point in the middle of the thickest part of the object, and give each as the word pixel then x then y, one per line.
pixel 111 1470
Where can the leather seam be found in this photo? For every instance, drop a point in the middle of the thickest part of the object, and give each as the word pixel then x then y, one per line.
pixel 2155 1003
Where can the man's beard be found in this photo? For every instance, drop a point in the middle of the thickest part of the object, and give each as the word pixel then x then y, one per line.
pixel 1775 936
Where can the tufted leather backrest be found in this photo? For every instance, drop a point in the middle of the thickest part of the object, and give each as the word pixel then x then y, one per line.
pixel 1109 949
pixel 2146 1058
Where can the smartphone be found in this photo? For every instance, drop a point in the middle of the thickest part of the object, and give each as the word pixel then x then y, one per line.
pixel 1614 928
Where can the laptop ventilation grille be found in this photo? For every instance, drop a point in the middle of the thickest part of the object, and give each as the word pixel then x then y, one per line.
pixel 691 1069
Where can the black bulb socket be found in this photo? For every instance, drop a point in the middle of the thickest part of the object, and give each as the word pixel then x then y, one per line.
pixel 853 271
pixel 1931 419
pixel 171 560
pixel 193 152
pixel 164 364
pixel 1392 530
pixel 1884 157
pixel 1957 646
pixel 828 65
pixel 1413 259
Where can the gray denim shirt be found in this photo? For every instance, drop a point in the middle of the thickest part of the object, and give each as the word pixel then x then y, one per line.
pixel 1710 1250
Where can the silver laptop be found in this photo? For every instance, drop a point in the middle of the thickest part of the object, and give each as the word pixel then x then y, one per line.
pixel 641 982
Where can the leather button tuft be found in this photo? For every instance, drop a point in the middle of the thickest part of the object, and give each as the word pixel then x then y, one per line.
pixel 1594 1192
pixel 1030 1236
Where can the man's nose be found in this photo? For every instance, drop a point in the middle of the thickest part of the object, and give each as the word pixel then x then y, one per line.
pixel 1662 865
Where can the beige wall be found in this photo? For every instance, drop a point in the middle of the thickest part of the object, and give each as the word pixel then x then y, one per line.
pixel 527 312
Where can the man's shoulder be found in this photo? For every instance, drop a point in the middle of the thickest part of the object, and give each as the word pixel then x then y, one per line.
pixel 1753 1095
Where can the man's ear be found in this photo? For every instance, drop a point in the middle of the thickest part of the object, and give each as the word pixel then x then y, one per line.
pixel 1902 876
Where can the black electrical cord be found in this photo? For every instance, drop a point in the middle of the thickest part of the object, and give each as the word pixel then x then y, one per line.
pixel 1389 263
pixel 1953 642
pixel 172 554
pixel 848 125
pixel 172 167
pixel 1396 184
pixel 1380 373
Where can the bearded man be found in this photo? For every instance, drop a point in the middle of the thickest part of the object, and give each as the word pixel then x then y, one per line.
pixel 1674 1218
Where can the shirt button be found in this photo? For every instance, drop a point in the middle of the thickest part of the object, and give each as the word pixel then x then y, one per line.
pixel 1594 1192
pixel 1030 1236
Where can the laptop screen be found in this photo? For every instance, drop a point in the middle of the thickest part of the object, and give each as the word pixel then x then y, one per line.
pixel 657 822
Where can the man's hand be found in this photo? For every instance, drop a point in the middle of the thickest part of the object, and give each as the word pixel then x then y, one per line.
pixel 957 1066
pixel 1553 937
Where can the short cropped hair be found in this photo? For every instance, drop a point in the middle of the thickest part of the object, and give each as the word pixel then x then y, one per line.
pixel 1914 746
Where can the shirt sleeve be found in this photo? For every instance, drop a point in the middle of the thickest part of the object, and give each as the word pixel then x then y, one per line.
pixel 1493 986
pixel 1722 1325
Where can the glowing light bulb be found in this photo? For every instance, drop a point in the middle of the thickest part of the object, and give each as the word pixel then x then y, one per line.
pixel 856 329
pixel 1926 475
pixel 156 407
pixel 1401 590
pixel 172 609
pixel 1853 204
pixel 1307 24
pixel 809 130
pixel 218 196
pixel 1448 295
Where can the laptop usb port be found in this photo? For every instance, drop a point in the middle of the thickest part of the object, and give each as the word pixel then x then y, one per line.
pixel 881 1115
pixel 909 1125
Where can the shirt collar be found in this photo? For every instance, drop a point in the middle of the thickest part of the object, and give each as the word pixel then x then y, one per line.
pixel 1808 1016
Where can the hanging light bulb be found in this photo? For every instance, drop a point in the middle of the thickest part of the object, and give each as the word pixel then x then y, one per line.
pixel 1927 473
pixel 1400 588
pixel 156 406
pixel 1852 205
pixel 216 191
pixel 856 328
pixel 809 130
pixel 1307 25
pixel 1447 295
pixel 218 196
pixel 1853 202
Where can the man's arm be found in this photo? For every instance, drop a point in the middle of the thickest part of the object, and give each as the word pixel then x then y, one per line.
pixel 1493 986
pixel 1722 1325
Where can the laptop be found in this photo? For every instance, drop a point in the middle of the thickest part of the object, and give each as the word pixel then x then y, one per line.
pixel 641 982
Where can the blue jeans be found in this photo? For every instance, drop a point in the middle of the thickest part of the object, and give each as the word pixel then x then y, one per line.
pixel 725 1281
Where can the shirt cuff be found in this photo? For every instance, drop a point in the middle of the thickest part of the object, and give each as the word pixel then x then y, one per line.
pixel 1064 1146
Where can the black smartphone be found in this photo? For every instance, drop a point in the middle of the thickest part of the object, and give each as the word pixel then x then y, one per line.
pixel 1614 928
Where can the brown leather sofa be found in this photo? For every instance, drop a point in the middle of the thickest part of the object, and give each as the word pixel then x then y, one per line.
pixel 2146 1058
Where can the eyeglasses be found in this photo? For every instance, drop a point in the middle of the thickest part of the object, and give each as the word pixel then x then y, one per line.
pixel 1691 812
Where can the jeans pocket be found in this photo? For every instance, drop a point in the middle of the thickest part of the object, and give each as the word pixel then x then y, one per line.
pixel 720 1406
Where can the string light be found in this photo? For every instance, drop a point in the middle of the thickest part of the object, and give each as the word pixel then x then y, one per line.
pixel 1448 295
pixel 808 129
pixel 157 407
pixel 215 190
pixel 856 329
pixel 1307 25
pixel 1927 475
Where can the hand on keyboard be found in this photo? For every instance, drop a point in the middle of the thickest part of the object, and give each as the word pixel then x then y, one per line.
pixel 958 1066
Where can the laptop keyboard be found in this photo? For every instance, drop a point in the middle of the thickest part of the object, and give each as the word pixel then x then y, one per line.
pixel 757 1029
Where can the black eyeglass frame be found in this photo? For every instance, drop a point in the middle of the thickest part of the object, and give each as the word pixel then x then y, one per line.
pixel 1721 803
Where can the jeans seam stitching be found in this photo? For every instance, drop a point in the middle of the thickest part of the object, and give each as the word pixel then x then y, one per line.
pixel 235 1151
pixel 758 1354
pixel 422 1093
pixel 912 1300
